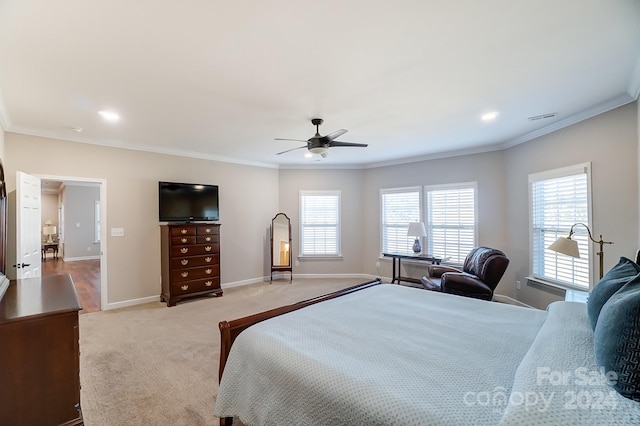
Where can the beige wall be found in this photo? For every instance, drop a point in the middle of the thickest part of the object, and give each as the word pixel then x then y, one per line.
pixel 610 142
pixel 350 184
pixel 248 201
pixel 486 169
pixel 251 196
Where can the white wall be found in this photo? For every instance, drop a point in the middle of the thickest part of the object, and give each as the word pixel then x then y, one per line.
pixel 248 201
pixel 49 209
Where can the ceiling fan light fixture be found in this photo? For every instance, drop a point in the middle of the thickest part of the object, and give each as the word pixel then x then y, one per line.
pixel 319 150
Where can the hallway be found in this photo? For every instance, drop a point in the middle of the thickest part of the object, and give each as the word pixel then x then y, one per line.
pixel 86 279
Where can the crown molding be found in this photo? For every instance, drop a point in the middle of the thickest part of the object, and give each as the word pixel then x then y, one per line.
pixel 634 81
pixel 609 105
pixel 142 148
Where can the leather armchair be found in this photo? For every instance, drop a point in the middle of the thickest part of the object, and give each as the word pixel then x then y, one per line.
pixel 482 270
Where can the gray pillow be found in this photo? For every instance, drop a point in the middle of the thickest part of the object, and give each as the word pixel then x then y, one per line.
pixel 617 339
pixel 612 281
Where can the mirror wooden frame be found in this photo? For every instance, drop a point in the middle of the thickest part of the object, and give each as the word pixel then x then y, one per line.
pixel 281 267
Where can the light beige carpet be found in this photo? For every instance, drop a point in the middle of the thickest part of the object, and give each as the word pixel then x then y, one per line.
pixel 153 365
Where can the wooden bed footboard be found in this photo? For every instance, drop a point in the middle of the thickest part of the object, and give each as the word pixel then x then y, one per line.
pixel 229 330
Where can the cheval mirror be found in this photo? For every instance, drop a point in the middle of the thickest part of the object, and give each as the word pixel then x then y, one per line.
pixel 281 245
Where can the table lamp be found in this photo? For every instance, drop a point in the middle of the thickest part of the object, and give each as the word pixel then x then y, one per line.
pixel 417 229
pixel 49 230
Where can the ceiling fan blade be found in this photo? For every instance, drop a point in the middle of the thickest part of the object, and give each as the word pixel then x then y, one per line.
pixel 292 149
pixel 285 139
pixel 334 135
pixel 336 143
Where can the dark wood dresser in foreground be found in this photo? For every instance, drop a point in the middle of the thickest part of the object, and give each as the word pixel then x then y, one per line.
pixel 190 261
pixel 39 353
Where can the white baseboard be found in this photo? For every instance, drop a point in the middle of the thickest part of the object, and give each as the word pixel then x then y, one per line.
pixel 73 259
pixel 149 299
pixel 132 302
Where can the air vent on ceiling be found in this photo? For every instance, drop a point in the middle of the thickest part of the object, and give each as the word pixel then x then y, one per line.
pixel 542 117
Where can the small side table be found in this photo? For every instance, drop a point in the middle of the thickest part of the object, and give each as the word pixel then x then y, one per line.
pixel 46 247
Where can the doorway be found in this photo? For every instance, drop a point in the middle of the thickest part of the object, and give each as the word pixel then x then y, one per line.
pixel 76 208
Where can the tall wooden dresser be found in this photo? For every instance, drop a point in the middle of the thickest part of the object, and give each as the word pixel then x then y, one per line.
pixel 190 261
pixel 39 353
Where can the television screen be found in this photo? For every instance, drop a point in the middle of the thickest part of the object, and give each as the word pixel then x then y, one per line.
pixel 186 202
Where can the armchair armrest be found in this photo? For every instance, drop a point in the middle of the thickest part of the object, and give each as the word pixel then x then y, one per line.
pixel 438 270
pixel 464 284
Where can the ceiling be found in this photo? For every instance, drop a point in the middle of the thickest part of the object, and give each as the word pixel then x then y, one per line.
pixel 220 80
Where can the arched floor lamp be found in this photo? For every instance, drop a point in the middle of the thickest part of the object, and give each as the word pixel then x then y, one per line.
pixel 566 245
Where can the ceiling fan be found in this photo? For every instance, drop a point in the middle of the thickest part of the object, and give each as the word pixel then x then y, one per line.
pixel 320 144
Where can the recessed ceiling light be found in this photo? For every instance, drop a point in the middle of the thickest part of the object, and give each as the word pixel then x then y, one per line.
pixel 109 115
pixel 490 116
pixel 77 129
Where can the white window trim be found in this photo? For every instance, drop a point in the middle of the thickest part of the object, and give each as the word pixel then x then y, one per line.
pixel 551 174
pixel 382 191
pixel 459 185
pixel 339 228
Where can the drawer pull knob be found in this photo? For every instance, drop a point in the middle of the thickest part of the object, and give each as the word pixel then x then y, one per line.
pixel 208 230
pixel 183 231
pixel 207 248
pixel 184 262
pixel 208 283
pixel 183 240
pixel 184 274
pixel 185 287
pixel 208 271
pixel 208 259
pixel 184 249
pixel 207 238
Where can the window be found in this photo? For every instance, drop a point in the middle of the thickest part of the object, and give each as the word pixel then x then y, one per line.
pixel 398 207
pixel 560 198
pixel 320 223
pixel 451 220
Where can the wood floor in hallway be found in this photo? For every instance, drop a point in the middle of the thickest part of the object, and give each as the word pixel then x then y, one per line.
pixel 86 278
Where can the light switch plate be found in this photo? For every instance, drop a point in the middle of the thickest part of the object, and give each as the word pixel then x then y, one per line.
pixel 117 232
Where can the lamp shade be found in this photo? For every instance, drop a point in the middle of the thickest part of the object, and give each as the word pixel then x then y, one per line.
pixel 566 246
pixel 416 229
pixel 49 230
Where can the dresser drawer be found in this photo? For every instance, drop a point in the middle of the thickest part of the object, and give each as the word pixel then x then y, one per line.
pixel 205 239
pixel 183 230
pixel 183 240
pixel 192 262
pixel 195 250
pixel 181 275
pixel 207 230
pixel 195 286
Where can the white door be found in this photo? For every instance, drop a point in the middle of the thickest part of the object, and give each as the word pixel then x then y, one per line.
pixel 28 236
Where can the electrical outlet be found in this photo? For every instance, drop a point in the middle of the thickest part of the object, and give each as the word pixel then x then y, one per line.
pixel 377 265
pixel 518 286
pixel 297 263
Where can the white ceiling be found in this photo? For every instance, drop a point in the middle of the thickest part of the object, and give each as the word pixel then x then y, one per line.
pixel 222 79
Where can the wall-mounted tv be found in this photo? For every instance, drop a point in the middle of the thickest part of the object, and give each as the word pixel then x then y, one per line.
pixel 187 202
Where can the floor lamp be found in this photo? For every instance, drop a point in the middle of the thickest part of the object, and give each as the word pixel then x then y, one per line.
pixel 566 245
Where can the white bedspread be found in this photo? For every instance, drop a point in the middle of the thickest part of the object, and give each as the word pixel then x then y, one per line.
pixel 388 355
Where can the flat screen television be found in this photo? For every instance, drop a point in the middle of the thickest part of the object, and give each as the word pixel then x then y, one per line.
pixel 187 202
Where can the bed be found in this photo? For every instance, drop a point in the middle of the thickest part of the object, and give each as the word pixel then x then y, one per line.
pixel 382 354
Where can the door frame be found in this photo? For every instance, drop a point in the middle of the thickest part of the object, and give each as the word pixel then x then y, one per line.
pixel 103 228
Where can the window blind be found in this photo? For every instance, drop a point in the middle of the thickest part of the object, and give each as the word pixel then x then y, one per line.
pixel 556 204
pixel 398 207
pixel 451 221
pixel 320 223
